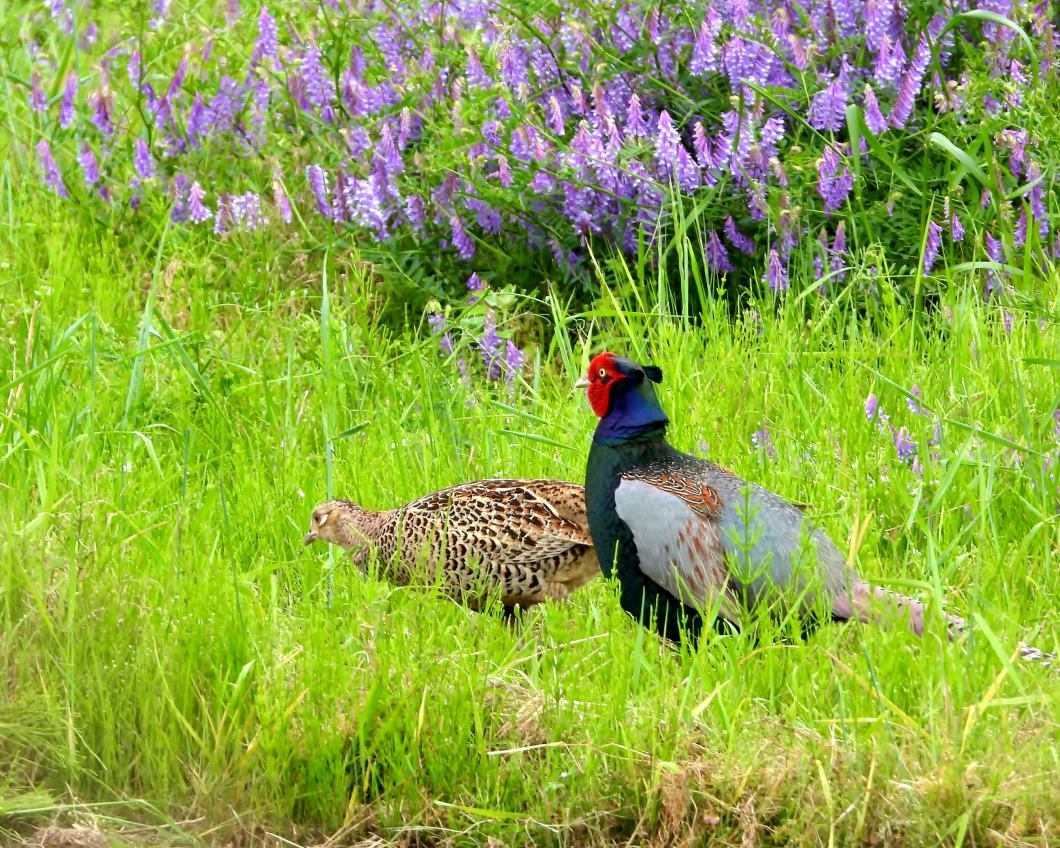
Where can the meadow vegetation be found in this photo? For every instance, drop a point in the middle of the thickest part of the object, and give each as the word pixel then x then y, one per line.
pixel 176 667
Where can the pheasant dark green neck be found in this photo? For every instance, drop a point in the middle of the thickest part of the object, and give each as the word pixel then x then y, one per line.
pixel 634 415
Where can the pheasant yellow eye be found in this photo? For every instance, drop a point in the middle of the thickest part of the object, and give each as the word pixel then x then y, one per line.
pixel 602 373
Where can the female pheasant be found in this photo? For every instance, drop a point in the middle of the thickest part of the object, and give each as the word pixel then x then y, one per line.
pixel 688 537
pixel 526 540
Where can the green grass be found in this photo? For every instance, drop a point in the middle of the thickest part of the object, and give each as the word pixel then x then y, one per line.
pixel 173 659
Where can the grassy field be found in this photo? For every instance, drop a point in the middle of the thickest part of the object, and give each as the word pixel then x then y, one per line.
pixel 176 666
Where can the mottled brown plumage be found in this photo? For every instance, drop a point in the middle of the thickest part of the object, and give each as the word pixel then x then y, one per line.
pixel 527 540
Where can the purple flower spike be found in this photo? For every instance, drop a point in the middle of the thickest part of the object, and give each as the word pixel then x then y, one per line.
pixel 666 144
pixel 744 244
pixel 636 125
pixel 829 105
pixel 914 402
pixel 834 179
pixel 778 273
pixel 475 282
pixel 280 198
pixel 1006 322
pixel 436 321
pixel 872 404
pixel 705 51
pixel 904 445
pixel 318 182
pixel 266 47
pixel 514 359
pixel 910 84
pixel 198 212
pixel 66 111
pixel 145 166
pixel 89 166
pixel 464 244
pixel 932 245
pixel 37 101
pixel 489 345
pixel 717 255
pixel 956 228
pixel 52 177
pixel 762 441
pixel 873 116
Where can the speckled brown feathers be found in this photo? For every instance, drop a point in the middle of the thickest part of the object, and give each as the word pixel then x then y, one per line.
pixel 526 539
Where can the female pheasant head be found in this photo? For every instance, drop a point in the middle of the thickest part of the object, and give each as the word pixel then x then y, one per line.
pixel 621 394
pixel 341 523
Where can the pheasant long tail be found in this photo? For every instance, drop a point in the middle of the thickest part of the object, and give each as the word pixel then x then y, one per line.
pixel 874 604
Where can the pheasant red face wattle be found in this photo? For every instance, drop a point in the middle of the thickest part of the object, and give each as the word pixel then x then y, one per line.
pixel 602 376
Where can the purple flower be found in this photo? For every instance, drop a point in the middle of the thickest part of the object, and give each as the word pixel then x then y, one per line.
pixel 995 253
pixel 555 117
pixel 828 106
pixel 319 90
pixel 445 343
pixel 904 445
pixel 266 47
pixel 666 144
pixel 416 212
pixel 436 321
pixel 145 166
pixel 914 402
pixel 705 49
pixel 778 272
pixel 910 84
pixel 513 361
pixel 1056 424
pixel 133 69
pixel 762 441
pixel 687 171
pixel 489 345
pixel 1036 197
pixel 197 211
pixel 956 228
pixel 245 210
pixel 222 221
pixel 744 244
pixel 872 404
pixel 66 110
pixel 464 244
pixel 99 102
pixel 636 125
pixel 318 182
pixel 833 182
pixel 475 282
pixel 280 198
pixel 89 166
pixel 717 255
pixel 37 101
pixel 1006 321
pixel 52 177
pixel 932 245
pixel 874 119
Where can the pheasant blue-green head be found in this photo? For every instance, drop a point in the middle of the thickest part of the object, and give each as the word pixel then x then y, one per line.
pixel 622 394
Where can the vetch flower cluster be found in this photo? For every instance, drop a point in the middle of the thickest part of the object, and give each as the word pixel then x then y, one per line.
pixel 460 124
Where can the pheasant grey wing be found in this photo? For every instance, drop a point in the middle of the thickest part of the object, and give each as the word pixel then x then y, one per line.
pixel 679 547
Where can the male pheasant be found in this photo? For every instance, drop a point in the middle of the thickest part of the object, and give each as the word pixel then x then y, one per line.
pixel 688 537
pixel 525 540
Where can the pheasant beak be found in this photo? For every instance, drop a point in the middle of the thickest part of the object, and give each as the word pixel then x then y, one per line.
pixel 583 382
pixel 310 537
